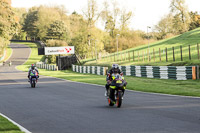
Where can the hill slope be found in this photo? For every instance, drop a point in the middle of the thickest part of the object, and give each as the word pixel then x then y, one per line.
pixel 155 53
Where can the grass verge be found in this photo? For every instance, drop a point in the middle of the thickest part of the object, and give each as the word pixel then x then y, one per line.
pixel 8 54
pixel 170 86
pixel 8 127
pixel 157 52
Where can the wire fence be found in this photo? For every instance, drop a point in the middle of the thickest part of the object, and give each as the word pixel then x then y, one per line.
pixel 167 54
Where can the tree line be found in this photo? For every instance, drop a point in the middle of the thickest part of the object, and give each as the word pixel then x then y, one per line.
pixel 55 27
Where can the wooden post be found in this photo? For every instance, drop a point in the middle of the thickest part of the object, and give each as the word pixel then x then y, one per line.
pixel 143 55
pixel 189 53
pixel 160 54
pixel 133 55
pixel 198 50
pixel 138 56
pixel 121 56
pixel 173 54
pixel 197 71
pixel 129 56
pixel 154 54
pixel 125 55
pixel 166 54
pixel 148 55
pixel 181 53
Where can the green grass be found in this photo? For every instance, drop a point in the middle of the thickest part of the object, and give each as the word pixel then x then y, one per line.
pixel 8 127
pixel 170 86
pixel 8 53
pixel 186 88
pixel 189 38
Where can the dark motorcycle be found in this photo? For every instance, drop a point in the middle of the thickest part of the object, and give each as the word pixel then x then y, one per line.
pixel 116 90
pixel 33 78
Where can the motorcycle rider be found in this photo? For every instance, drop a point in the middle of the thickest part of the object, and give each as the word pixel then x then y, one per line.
pixel 114 69
pixel 33 67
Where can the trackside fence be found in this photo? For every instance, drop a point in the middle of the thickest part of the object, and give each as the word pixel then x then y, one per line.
pixel 162 72
pixel 42 65
pixel 90 69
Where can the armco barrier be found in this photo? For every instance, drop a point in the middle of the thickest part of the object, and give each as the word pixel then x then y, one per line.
pixel 90 69
pixel 162 72
pixel 42 65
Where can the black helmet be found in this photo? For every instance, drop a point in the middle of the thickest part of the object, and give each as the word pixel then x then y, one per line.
pixel 32 66
pixel 115 68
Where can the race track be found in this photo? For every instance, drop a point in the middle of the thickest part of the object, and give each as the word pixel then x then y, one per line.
pixel 59 106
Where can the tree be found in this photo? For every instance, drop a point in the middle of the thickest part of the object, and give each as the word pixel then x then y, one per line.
pixel 8 24
pixel 21 14
pixel 30 22
pixel 79 34
pixel 181 13
pixel 110 18
pixel 195 20
pixel 125 18
pixel 165 26
pixel 57 30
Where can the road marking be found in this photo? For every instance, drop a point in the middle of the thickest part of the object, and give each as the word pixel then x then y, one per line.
pixel 20 127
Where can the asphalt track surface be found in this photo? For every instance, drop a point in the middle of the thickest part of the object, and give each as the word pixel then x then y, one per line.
pixel 58 106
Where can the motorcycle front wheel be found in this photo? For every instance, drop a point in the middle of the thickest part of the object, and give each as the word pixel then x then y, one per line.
pixel 119 99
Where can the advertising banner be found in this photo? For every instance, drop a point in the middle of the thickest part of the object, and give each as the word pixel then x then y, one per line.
pixel 59 50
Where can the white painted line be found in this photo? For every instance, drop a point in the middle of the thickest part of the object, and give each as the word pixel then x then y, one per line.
pixel 20 127
pixel 161 94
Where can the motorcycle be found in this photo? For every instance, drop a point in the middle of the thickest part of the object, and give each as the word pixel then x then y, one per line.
pixel 116 90
pixel 33 78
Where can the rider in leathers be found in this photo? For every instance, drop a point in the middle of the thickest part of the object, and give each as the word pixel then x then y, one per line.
pixel 114 69
pixel 33 67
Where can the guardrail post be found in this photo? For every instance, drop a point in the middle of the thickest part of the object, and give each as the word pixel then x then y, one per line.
pixel 160 54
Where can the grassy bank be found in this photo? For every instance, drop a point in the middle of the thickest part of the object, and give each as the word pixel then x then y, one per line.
pixel 7 127
pixel 8 54
pixel 141 53
pixel 186 88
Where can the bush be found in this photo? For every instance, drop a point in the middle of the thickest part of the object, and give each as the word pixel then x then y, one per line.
pixel 56 43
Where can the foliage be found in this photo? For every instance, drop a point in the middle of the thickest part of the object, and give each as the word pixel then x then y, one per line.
pixel 9 22
pixel 30 22
pixel 56 43
pixel 195 20
pixel 20 14
pixel 57 30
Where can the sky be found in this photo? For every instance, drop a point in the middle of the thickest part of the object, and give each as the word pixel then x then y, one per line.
pixel 145 12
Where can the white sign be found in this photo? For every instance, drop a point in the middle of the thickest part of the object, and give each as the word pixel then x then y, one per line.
pixel 59 50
